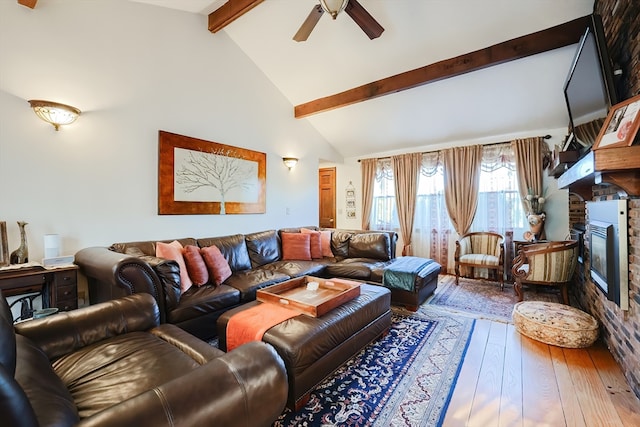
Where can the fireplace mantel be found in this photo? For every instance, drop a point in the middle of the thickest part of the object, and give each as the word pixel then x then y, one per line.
pixel 619 166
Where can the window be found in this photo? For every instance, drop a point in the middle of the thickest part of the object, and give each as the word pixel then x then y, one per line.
pixel 499 206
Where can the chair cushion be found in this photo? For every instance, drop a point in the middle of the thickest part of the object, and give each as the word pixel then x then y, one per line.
pixel 555 324
pixel 123 373
pixel 479 259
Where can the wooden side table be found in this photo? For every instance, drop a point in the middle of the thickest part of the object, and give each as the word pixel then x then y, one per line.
pixel 58 286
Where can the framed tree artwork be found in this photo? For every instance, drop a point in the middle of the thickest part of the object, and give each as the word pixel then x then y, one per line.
pixel 204 177
pixel 621 125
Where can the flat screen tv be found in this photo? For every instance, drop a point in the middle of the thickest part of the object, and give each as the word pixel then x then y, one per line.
pixel 589 89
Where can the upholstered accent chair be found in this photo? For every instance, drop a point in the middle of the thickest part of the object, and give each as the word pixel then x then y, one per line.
pixel 546 264
pixel 480 250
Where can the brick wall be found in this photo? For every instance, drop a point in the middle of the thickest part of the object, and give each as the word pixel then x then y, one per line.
pixel 620 329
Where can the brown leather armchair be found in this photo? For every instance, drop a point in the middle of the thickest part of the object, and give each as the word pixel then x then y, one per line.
pixel 112 364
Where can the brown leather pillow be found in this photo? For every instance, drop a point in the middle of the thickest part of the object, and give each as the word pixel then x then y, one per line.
pixel 217 265
pixel 296 246
pixel 195 265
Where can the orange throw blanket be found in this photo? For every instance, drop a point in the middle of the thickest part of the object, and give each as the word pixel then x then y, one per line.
pixel 252 323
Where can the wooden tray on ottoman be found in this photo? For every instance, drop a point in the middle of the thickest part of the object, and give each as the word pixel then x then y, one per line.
pixel 294 293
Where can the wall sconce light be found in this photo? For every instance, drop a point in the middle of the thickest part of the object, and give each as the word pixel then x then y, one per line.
pixel 55 113
pixel 289 162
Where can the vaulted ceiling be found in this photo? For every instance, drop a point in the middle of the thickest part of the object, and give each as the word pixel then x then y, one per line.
pixel 522 97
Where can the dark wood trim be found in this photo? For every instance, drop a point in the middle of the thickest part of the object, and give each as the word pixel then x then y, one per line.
pixel 521 47
pixel 229 12
pixel 29 3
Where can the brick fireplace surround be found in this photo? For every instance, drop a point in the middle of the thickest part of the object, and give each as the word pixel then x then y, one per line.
pixel 620 329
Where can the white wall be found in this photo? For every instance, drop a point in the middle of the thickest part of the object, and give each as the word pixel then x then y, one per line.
pixel 134 69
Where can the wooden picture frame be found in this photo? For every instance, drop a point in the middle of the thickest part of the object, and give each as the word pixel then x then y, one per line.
pixel 198 177
pixel 621 125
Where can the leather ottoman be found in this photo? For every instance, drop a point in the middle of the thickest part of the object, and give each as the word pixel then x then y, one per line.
pixel 425 283
pixel 312 348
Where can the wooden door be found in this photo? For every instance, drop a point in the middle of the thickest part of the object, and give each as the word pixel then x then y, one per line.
pixel 327 192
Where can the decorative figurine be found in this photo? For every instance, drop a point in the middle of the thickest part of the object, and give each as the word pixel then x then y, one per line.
pixel 21 255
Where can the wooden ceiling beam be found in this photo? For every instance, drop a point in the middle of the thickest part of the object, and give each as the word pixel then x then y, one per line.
pixel 29 3
pixel 229 12
pixel 521 47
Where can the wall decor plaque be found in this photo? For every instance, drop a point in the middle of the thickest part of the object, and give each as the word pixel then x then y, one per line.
pixel 204 177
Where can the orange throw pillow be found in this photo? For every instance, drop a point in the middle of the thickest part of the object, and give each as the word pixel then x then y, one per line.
pixel 315 243
pixel 196 267
pixel 173 251
pixel 217 265
pixel 325 241
pixel 296 246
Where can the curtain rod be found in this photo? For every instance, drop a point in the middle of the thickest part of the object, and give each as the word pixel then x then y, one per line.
pixel 484 145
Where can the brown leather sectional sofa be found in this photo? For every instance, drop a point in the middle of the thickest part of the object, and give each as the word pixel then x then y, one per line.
pixel 255 260
pixel 114 364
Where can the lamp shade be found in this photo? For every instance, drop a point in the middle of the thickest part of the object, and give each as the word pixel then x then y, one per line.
pixel 54 113
pixel 290 161
pixel 333 7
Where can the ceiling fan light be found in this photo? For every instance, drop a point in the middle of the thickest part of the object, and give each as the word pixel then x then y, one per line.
pixel 333 7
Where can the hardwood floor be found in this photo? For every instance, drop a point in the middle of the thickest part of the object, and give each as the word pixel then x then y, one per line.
pixel 510 380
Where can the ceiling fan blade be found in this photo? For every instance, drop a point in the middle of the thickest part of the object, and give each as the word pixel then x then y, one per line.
pixel 309 24
pixel 369 25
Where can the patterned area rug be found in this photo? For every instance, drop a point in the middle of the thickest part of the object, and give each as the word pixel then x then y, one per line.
pixel 404 379
pixel 483 298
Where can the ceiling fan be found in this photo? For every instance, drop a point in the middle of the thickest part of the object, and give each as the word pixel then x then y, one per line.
pixel 369 25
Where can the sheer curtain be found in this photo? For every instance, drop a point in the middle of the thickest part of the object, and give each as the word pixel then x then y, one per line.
pixel 383 212
pixel 432 232
pixel 499 203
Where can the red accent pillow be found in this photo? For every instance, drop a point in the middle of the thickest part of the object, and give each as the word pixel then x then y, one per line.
pixel 173 251
pixel 315 243
pixel 325 241
pixel 196 267
pixel 217 265
pixel 296 246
